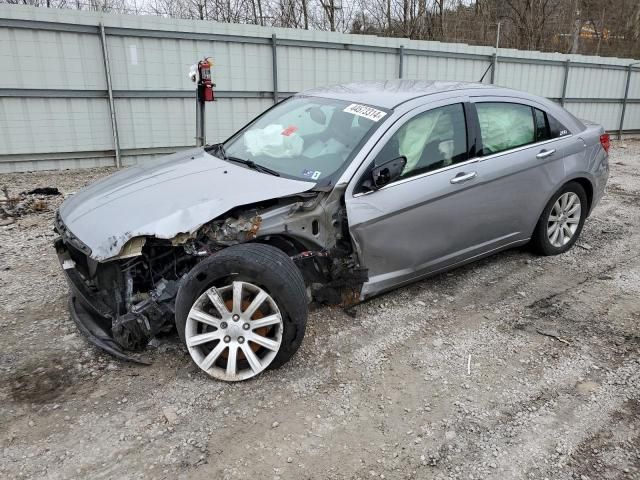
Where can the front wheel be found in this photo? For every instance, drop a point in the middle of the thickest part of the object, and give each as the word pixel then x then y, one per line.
pixel 561 221
pixel 241 311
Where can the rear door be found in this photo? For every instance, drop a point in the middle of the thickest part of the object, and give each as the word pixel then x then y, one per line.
pixel 521 160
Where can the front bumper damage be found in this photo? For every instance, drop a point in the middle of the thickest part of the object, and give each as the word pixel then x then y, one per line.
pixel 97 331
pixel 93 317
pixel 103 303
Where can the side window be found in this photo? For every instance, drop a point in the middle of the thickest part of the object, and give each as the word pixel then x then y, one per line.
pixel 504 126
pixel 542 127
pixel 430 140
pixel 556 129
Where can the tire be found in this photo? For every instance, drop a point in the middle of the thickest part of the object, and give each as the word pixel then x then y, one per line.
pixel 252 268
pixel 541 241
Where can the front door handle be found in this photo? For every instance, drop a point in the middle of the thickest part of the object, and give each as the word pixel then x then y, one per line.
pixel 545 153
pixel 463 177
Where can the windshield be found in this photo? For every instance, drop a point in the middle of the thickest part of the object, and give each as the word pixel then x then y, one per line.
pixel 307 138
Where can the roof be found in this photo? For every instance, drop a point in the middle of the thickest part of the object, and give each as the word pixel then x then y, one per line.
pixel 389 93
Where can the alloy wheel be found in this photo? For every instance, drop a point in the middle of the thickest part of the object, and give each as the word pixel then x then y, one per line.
pixel 234 332
pixel 564 219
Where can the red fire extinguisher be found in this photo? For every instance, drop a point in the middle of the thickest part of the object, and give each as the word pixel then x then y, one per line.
pixel 205 84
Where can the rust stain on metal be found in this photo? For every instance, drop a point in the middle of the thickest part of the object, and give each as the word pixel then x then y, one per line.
pixel 255 226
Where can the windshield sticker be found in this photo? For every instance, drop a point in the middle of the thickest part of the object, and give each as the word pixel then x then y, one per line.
pixel 313 175
pixel 291 129
pixel 364 111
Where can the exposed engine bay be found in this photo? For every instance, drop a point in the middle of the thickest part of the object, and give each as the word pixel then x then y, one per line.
pixel 123 303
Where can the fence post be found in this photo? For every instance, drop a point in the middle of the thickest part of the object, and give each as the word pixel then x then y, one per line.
pixel 274 66
pixel 494 65
pixel 400 61
pixel 112 109
pixel 564 82
pixel 624 101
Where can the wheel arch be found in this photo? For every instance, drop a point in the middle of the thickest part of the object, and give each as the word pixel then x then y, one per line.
pixel 585 182
pixel 588 189
pixel 310 268
pixel 289 244
pixel 540 242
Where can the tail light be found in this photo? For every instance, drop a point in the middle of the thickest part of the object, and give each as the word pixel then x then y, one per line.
pixel 605 141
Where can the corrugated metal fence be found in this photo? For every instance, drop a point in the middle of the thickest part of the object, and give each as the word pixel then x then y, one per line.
pixel 59 69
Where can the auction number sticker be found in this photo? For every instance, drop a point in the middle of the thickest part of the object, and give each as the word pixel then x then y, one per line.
pixel 365 111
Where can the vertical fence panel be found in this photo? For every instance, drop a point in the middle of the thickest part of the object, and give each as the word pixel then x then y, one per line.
pixel 424 67
pixel 543 80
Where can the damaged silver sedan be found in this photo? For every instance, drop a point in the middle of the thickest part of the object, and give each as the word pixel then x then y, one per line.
pixel 332 196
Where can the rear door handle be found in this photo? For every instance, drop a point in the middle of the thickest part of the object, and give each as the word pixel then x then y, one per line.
pixel 463 177
pixel 545 153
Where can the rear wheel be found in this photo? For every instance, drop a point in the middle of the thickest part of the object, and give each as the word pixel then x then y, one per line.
pixel 561 221
pixel 241 311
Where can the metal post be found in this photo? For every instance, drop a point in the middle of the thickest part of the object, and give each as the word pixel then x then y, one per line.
pixel 200 122
pixel 112 109
pixel 494 64
pixel 565 81
pixel 400 60
pixel 624 101
pixel 203 124
pixel 197 118
pixel 494 73
pixel 274 66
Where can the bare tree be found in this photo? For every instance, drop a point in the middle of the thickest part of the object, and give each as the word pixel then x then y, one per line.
pixel 606 27
pixel 577 29
pixel 330 7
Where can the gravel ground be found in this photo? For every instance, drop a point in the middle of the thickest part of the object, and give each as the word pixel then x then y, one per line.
pixel 447 378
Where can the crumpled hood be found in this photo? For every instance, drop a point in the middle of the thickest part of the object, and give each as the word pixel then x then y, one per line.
pixel 177 194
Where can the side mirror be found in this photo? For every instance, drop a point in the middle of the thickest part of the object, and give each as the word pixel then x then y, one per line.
pixel 387 172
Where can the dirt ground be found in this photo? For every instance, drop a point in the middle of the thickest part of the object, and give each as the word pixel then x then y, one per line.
pixel 453 377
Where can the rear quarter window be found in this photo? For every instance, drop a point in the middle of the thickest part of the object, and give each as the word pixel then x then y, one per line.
pixel 556 129
pixel 547 127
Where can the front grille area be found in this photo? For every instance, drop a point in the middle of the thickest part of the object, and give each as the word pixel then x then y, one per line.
pixel 84 278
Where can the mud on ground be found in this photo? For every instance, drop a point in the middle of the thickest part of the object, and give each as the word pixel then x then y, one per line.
pixel 516 367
